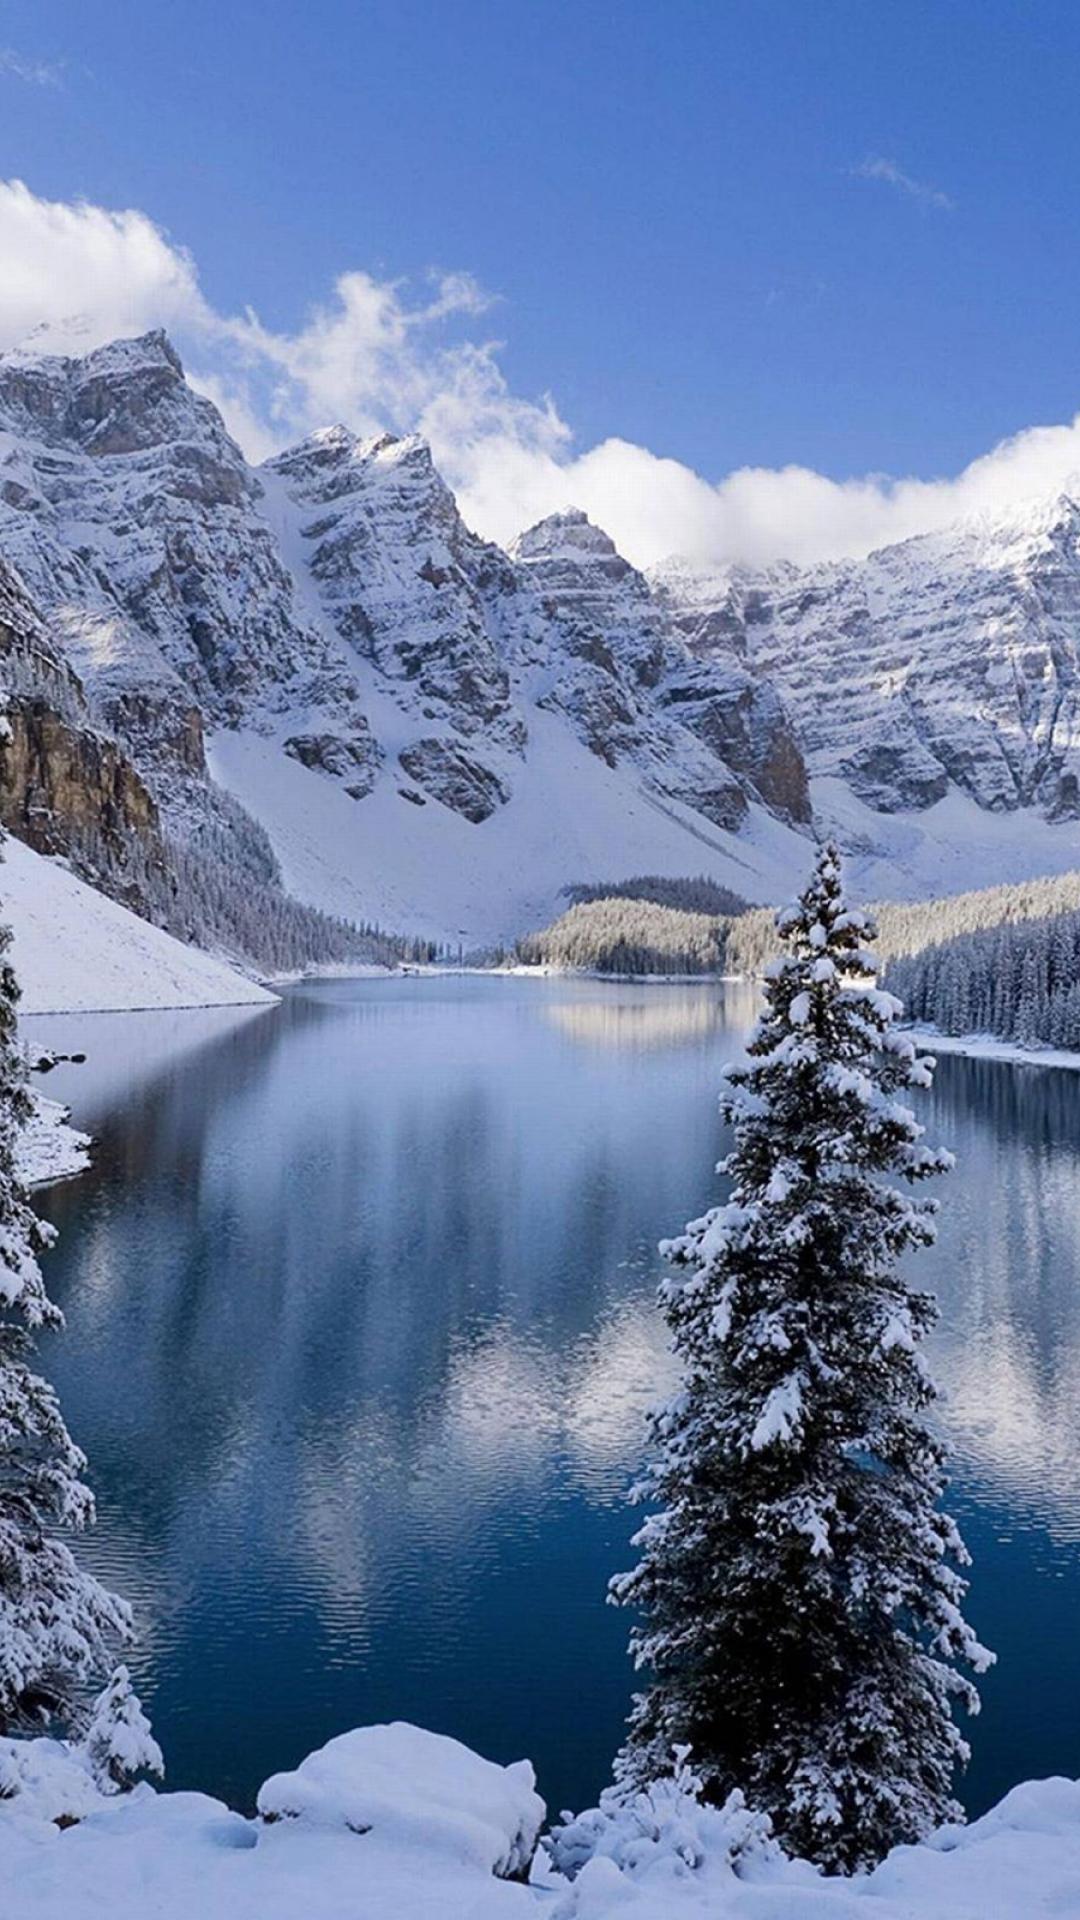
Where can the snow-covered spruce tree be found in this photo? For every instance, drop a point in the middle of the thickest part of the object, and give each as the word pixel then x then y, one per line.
pixel 118 1742
pixel 55 1619
pixel 799 1587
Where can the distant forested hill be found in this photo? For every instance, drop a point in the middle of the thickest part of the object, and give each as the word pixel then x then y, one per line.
pixel 1004 960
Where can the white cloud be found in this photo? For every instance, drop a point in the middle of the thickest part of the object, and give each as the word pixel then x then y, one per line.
pixel 375 357
pixel 37 73
pixel 894 176
pixel 83 275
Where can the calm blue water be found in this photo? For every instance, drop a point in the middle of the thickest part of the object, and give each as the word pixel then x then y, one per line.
pixel 361 1335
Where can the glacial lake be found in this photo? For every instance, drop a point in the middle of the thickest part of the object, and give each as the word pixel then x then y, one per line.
pixel 361 1334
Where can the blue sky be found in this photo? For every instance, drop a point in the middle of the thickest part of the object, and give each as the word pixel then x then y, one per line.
pixel 838 233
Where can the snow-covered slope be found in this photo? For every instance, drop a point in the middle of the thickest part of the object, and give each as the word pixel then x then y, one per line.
pixel 74 950
pixel 569 818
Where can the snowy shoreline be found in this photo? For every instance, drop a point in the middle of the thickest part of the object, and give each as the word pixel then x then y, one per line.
pixel 985 1046
pixel 548 971
pixel 331 970
pixel 50 1148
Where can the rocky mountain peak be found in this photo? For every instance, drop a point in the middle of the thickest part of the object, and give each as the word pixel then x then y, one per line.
pixel 407 588
pixel 948 660
pixel 123 398
pixel 569 536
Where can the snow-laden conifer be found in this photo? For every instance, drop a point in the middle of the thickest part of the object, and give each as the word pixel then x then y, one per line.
pixel 55 1619
pixel 118 1742
pixel 799 1587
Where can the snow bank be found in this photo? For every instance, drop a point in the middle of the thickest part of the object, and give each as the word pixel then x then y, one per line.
pixel 48 1147
pixel 43 1781
pixel 394 1824
pixel 75 950
pixel 663 1856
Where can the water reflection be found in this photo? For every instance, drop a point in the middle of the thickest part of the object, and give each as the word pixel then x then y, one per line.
pixel 361 1336
pixel 1007 1268
pixel 638 1016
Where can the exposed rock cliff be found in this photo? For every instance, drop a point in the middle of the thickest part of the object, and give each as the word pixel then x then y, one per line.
pixel 65 786
pixel 607 654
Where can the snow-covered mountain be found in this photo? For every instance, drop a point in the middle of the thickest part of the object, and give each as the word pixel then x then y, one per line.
pixel 949 661
pixel 439 736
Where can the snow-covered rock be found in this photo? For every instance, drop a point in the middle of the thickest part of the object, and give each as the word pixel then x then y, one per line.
pixel 42 1782
pixel 135 523
pixel 600 651
pixel 49 1147
pixel 403 581
pixel 418 1790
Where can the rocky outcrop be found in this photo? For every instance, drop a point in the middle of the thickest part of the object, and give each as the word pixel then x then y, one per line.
pixel 355 761
pixel 447 774
pixel 588 623
pixel 743 722
pixel 67 789
pixel 139 530
pixel 893 771
pixel 400 577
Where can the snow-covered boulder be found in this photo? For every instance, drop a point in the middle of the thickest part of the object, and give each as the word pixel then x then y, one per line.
pixel 415 1789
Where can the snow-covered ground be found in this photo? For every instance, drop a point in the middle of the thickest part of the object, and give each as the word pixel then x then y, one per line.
pixel 573 819
pixel 75 950
pixel 390 1823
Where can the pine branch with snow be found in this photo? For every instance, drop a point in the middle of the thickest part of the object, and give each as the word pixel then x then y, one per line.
pixel 800 1590
pixel 55 1620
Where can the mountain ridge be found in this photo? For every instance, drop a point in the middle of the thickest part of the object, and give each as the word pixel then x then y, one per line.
pixel 441 735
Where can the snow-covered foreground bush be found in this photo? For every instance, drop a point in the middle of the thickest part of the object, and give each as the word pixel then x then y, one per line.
pixel 390 1823
pixel 664 1856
